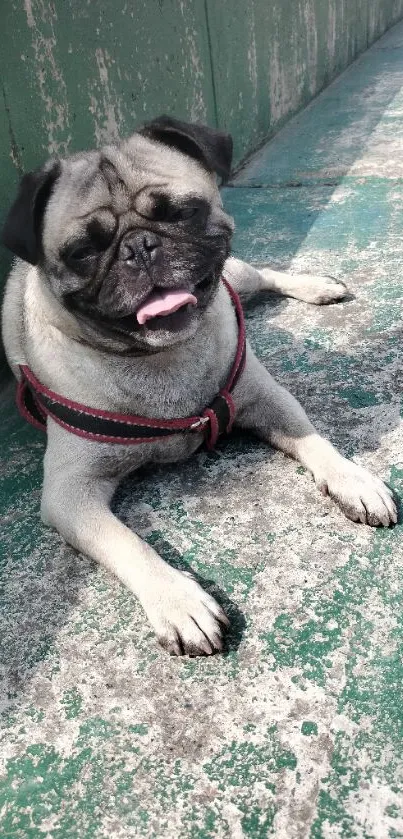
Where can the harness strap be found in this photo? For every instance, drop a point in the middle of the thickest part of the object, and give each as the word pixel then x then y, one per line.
pixel 37 402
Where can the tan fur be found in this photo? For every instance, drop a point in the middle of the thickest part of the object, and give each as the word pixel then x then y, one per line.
pixel 80 477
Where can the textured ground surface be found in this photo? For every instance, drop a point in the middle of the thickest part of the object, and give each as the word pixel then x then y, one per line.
pixel 297 731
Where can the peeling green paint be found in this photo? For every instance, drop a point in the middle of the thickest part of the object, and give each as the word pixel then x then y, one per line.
pixel 245 765
pixel 308 728
pixel 72 702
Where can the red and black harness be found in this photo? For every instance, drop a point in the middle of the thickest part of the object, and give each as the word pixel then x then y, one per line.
pixel 36 402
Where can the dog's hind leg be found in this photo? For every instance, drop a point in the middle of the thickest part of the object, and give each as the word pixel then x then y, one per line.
pixel 248 280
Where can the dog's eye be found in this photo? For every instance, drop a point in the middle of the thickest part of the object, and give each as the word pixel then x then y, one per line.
pixel 81 258
pixel 165 210
pixel 183 214
pixel 83 252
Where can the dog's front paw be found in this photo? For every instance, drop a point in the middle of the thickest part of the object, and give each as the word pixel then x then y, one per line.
pixel 320 290
pixel 186 619
pixel 362 497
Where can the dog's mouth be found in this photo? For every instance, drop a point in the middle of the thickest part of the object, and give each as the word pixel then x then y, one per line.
pixel 164 312
pixel 159 304
pixel 170 308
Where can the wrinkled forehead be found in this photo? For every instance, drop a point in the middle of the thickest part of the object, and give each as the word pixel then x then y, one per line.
pixel 156 163
pixel 121 178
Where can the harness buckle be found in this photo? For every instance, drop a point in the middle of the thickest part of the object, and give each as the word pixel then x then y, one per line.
pixel 200 423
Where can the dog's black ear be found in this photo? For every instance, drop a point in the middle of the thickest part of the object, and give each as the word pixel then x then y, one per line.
pixel 210 147
pixel 23 226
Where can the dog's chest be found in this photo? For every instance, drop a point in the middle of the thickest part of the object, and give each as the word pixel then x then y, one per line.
pixel 182 389
pixel 176 383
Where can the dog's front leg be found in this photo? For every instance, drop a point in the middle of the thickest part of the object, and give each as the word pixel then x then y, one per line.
pixel 186 619
pixel 273 414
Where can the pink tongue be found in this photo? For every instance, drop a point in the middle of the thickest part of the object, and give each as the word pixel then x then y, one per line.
pixel 164 303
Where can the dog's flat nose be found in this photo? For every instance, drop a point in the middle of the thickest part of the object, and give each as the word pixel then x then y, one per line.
pixel 141 248
pixel 151 242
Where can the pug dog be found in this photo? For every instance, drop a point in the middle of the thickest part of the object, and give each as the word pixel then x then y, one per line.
pixel 122 301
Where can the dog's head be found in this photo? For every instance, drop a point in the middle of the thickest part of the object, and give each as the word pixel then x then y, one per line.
pixel 132 239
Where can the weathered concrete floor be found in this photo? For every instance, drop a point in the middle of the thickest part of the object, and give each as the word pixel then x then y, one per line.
pixel 298 730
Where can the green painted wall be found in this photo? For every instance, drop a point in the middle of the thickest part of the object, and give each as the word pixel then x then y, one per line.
pixel 75 73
